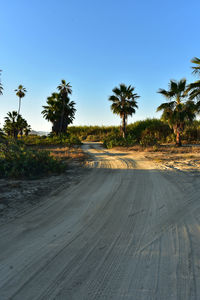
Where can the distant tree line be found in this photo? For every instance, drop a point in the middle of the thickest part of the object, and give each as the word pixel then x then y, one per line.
pixel 180 109
pixel 60 111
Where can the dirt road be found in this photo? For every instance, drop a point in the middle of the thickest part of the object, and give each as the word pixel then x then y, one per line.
pixel 126 231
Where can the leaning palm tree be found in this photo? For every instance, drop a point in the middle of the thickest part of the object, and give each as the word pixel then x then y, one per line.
pixel 65 90
pixel 194 88
pixel 1 86
pixel 20 92
pixel 177 110
pixel 124 103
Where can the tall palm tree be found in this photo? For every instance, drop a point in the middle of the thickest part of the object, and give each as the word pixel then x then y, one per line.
pixel 20 92
pixel 194 88
pixel 177 111
pixel 1 86
pixel 124 103
pixel 65 90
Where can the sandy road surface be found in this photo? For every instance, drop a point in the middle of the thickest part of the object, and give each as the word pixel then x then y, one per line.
pixel 126 231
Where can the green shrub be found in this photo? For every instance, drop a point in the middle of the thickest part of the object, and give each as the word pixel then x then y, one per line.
pixel 73 140
pixel 156 128
pixel 114 140
pixel 17 161
pixel 91 133
pixel 148 138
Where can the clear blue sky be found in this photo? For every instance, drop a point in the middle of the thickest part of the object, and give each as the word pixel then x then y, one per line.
pixel 95 45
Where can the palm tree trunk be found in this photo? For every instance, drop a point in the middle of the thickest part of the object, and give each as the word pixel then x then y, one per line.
pixel 19 106
pixel 178 139
pixel 62 117
pixel 15 134
pixel 124 126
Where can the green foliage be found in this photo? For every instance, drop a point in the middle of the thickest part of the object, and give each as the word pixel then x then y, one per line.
pixel 191 132
pixel 111 135
pixel 148 138
pixel 177 111
pixel 17 161
pixel 114 140
pixel 155 127
pixel 15 124
pixel 92 133
pixel 69 140
pixel 194 88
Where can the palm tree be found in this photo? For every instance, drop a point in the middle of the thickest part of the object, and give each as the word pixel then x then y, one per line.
pixel 194 88
pixel 20 92
pixel 65 90
pixel 177 111
pixel 1 86
pixel 124 103
pixel 58 114
pixel 11 124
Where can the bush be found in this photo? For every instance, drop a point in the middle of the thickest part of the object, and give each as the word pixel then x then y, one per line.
pixel 114 140
pixel 73 140
pixel 148 138
pixel 92 133
pixel 17 161
pixel 155 128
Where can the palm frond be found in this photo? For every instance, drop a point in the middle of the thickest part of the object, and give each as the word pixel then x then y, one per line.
pixel 165 93
pixel 196 69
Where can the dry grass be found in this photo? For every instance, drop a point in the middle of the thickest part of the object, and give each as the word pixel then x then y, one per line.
pixel 170 156
pixel 162 148
pixel 183 158
pixel 66 153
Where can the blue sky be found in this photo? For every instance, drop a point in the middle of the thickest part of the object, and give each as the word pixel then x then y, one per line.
pixel 94 45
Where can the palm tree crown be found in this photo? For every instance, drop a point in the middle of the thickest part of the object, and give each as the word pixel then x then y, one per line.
pixel 196 69
pixel 124 103
pixel 64 88
pixel 20 92
pixel 194 88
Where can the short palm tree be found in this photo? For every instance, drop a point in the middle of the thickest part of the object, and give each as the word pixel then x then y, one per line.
pixel 124 103
pixel 177 111
pixel 11 124
pixel 20 92
pixel 194 88
pixel 65 90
